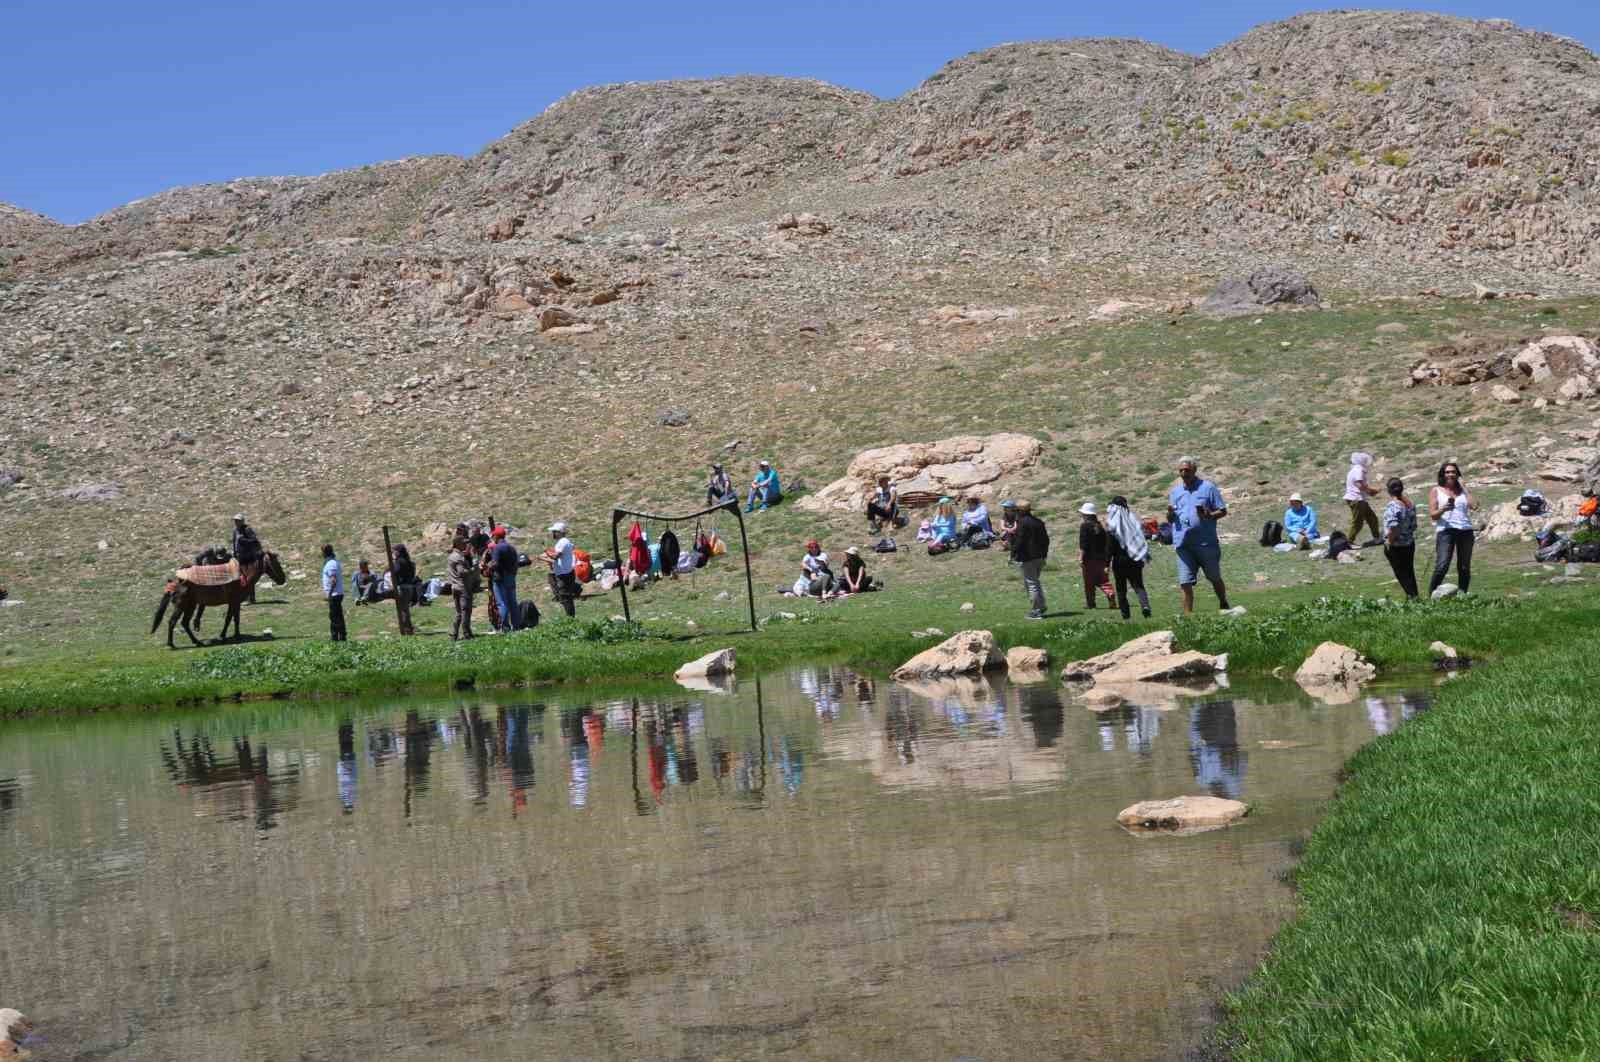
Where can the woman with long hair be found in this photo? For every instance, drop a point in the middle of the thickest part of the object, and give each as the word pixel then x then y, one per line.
pixel 1450 505
pixel 1400 537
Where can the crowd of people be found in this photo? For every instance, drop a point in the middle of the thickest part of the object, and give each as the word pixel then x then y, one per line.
pixel 1113 548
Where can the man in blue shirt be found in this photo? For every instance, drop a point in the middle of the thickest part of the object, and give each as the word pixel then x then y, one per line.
pixel 1194 507
pixel 503 566
pixel 764 489
pixel 333 590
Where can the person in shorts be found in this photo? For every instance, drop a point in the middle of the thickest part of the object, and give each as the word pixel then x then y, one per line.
pixel 1194 506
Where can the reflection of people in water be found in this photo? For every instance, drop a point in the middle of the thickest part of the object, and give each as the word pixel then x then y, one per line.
pixel 1140 727
pixel 1214 748
pixel 419 753
pixel 792 765
pixel 515 724
pixel 1041 707
pixel 902 727
pixel 196 767
pixel 347 765
pixel 478 744
pixel 1378 716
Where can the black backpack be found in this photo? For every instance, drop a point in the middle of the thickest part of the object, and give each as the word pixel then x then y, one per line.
pixel 1586 552
pixel 1337 544
pixel 1531 503
pixel 885 545
pixel 530 615
pixel 1271 533
pixel 669 553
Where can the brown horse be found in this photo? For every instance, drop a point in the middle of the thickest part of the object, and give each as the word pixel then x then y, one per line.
pixel 185 597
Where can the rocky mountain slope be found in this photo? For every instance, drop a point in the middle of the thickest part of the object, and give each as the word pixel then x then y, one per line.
pixel 460 331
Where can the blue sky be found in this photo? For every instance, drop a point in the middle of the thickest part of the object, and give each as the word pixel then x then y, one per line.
pixel 110 101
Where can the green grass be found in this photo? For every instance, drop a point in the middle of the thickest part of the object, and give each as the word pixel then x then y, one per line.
pixel 1450 901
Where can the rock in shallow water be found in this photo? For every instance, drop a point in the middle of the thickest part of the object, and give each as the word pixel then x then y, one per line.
pixel 1183 814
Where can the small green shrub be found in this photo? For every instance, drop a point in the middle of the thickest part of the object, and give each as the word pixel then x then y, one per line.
pixel 1396 158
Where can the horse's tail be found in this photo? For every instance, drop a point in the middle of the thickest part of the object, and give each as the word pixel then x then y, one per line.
pixel 161 609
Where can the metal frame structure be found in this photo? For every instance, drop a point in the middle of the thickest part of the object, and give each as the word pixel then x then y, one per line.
pixel 731 505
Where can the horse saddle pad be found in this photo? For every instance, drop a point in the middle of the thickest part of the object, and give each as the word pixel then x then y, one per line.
pixel 210 574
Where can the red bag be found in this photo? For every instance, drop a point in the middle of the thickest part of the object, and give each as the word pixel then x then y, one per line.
pixel 581 566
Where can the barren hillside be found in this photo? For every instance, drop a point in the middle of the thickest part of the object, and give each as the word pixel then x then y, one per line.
pixel 795 266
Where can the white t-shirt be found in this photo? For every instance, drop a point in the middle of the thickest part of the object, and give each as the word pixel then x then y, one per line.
pixel 814 564
pixel 564 561
pixel 1354 481
pixel 1457 518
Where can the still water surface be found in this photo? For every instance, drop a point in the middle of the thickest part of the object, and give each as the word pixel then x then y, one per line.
pixel 820 865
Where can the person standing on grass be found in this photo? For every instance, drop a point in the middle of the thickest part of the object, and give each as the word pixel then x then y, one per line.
pixel 563 569
pixel 1451 508
pixel 1194 507
pixel 1030 548
pixel 1129 552
pixel 1356 492
pixel 1400 537
pixel 503 571
pixel 333 590
pixel 1094 556
pixel 461 571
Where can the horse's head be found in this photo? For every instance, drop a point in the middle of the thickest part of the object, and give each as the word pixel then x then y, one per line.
pixel 274 570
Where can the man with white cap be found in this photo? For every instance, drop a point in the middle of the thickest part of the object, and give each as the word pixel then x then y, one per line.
pixel 764 489
pixel 1300 522
pixel 563 568
pixel 1094 556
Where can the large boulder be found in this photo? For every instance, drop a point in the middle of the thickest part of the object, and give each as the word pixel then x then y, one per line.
pixel 1267 286
pixel 1503 523
pixel 1184 814
pixel 1147 659
pixel 1024 658
pixel 966 653
pixel 964 464
pixel 721 662
pixel 1332 664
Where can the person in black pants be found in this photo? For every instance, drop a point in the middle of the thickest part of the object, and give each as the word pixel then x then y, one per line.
pixel 333 589
pixel 1451 508
pixel 1400 537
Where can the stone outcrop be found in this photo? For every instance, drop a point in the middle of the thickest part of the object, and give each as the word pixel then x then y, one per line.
pixel 966 653
pixel 1332 664
pixel 1184 814
pixel 1503 523
pixel 1266 287
pixel 1147 659
pixel 965 464
pixel 721 662
pixel 1023 658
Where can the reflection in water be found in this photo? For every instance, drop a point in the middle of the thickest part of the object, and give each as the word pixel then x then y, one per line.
pixel 1214 749
pixel 236 788
pixel 945 850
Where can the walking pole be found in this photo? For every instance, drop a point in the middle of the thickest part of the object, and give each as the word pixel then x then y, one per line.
pixel 616 555
pixel 749 583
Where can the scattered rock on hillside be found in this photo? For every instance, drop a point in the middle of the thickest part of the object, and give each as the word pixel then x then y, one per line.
pixel 966 464
pixel 965 653
pixel 673 418
pixel 802 225
pixel 1504 394
pixel 10 477
pixel 93 492
pixel 1572 465
pixel 721 662
pixel 1267 286
pixel 557 317
pixel 1185 814
pixel 1332 664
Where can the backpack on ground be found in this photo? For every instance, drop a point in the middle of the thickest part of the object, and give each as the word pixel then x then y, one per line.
pixel 1553 548
pixel 981 540
pixel 1586 553
pixel 1531 503
pixel 1338 543
pixel 884 545
pixel 936 548
pixel 1271 533
pixel 530 615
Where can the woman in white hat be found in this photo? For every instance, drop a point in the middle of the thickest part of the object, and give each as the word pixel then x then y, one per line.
pixel 1300 522
pixel 1094 556
pixel 856 580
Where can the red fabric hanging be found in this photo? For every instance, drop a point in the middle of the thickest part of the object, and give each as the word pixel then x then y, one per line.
pixel 638 552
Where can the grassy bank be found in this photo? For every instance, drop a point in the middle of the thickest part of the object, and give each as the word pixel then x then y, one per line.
pixel 1450 901
pixel 1290 612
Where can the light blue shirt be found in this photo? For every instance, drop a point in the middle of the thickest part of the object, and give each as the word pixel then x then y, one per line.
pixel 1303 522
pixel 944 528
pixel 767 482
pixel 332 578
pixel 978 517
pixel 1190 528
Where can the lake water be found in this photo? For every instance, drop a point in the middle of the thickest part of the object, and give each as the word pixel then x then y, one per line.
pixel 819 865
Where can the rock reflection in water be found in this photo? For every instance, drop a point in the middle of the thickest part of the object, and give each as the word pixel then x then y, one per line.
pixel 821 862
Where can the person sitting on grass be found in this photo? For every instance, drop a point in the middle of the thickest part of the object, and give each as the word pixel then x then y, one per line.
pixel 975 522
pixel 883 506
pixel 719 488
pixel 764 489
pixel 815 572
pixel 1300 522
pixel 855 579
pixel 943 525
pixel 364 583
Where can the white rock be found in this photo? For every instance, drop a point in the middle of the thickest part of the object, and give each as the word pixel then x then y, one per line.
pixel 963 653
pixel 1441 649
pixel 968 606
pixel 1502 393
pixel 721 662
pixel 1334 664
pixel 1445 590
pixel 1024 658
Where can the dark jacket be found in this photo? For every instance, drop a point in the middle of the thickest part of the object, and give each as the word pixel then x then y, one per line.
pixel 246 546
pixel 1094 540
pixel 504 559
pixel 1032 542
